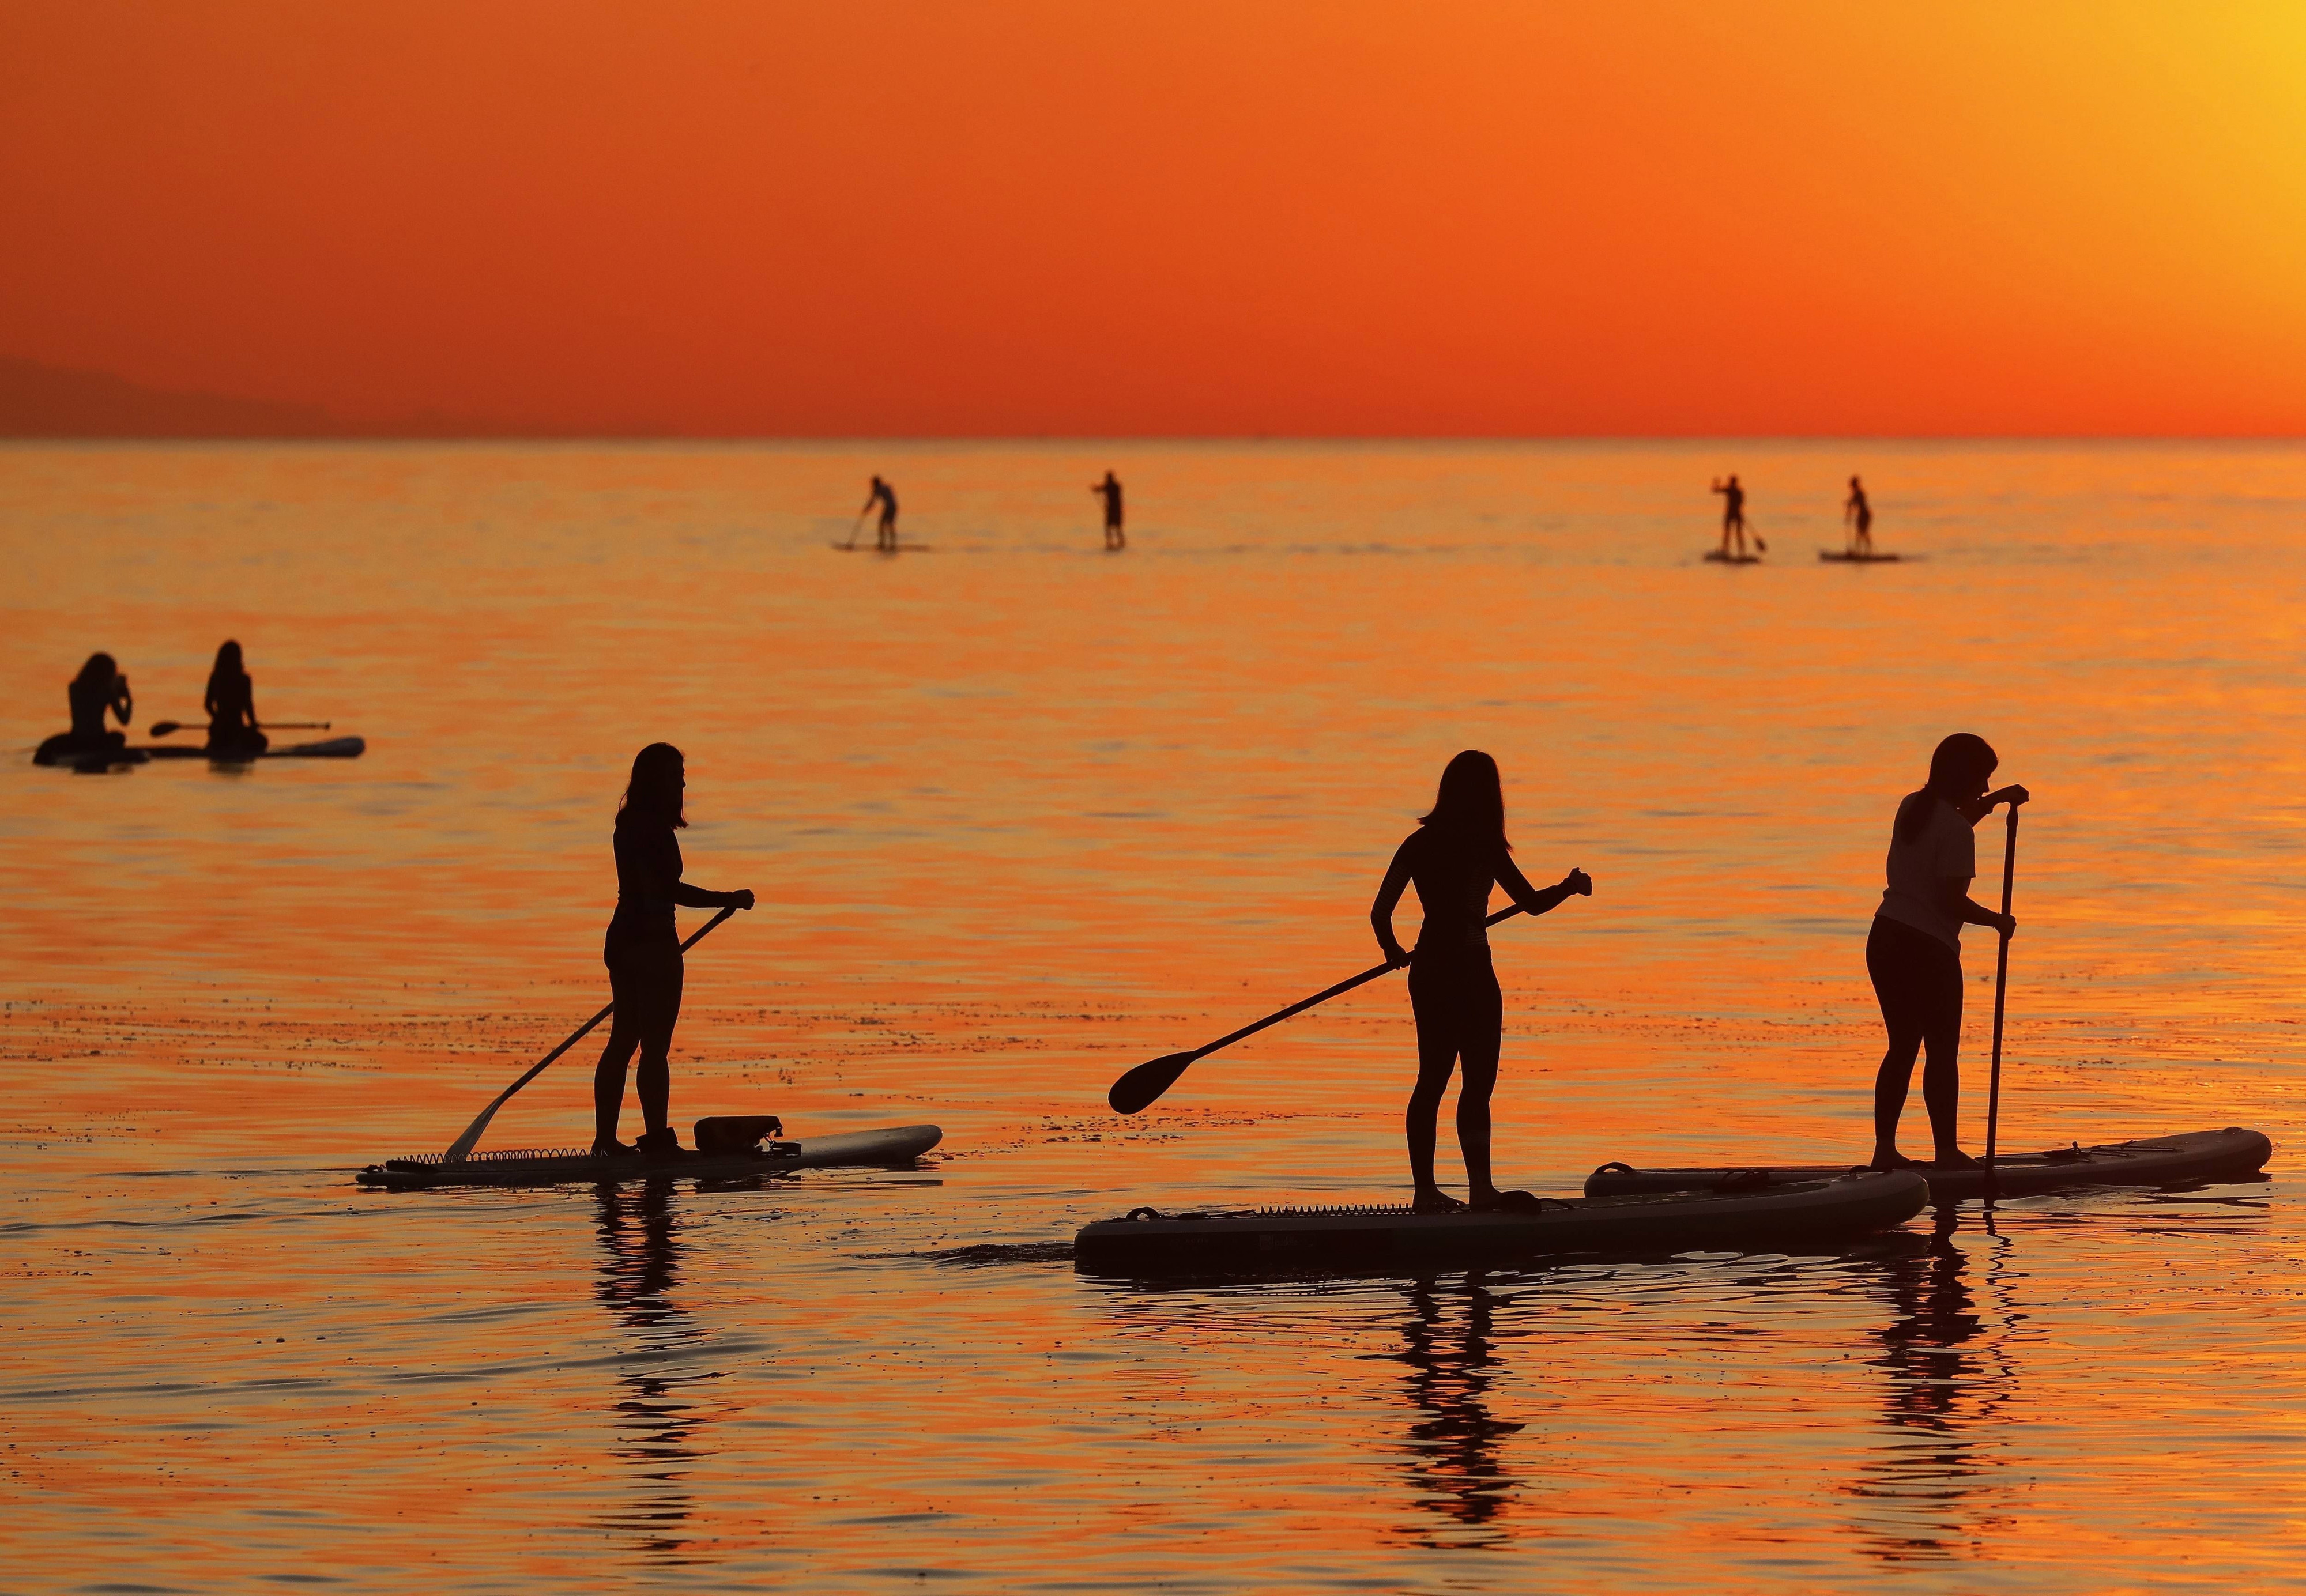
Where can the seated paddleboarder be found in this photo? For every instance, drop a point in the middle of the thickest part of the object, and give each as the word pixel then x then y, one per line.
pixel 643 951
pixel 1914 951
pixel 1457 853
pixel 231 706
pixel 100 689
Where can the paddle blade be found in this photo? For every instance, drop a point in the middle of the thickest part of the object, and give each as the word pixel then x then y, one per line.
pixel 1138 1088
pixel 163 728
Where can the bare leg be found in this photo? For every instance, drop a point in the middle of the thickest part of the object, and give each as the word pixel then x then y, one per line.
pixel 1436 1056
pixel 1482 1018
pixel 1941 1079
pixel 655 1081
pixel 608 1075
pixel 1890 1093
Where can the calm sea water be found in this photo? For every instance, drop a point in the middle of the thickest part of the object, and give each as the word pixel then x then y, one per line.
pixel 1022 815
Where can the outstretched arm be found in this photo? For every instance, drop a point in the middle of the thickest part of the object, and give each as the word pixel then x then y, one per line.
pixel 1535 900
pixel 1389 895
pixel 689 897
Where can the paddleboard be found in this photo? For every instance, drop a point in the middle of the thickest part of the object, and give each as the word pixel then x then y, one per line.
pixel 1385 1240
pixel 334 748
pixel 60 749
pixel 425 1171
pixel 869 549
pixel 2230 1153
pixel 1716 557
pixel 1850 557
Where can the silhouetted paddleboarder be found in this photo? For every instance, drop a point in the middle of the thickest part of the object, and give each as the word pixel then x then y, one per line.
pixel 230 702
pixel 883 495
pixel 1914 951
pixel 643 951
pixel 1457 853
pixel 1858 516
pixel 1733 515
pixel 98 690
pixel 1109 489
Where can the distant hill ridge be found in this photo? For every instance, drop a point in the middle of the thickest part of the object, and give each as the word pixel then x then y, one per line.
pixel 43 401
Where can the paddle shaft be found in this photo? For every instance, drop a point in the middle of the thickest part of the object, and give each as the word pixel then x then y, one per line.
pixel 463 1144
pixel 1324 996
pixel 2001 993
pixel 168 727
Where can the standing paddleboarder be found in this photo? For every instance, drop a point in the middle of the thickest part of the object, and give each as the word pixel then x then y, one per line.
pixel 230 702
pixel 1914 951
pixel 1858 516
pixel 1109 489
pixel 643 951
pixel 1733 515
pixel 886 538
pixel 1457 853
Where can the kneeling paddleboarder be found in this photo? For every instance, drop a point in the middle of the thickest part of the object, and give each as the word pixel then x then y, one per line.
pixel 1457 853
pixel 643 951
pixel 230 702
pixel 1914 951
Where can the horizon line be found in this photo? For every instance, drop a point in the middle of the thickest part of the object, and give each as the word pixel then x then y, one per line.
pixel 309 439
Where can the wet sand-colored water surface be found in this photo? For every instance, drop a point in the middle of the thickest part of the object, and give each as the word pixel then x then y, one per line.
pixel 1022 814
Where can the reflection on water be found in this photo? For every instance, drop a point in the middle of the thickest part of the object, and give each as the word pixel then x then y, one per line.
pixel 1456 1470
pixel 1948 1372
pixel 656 1421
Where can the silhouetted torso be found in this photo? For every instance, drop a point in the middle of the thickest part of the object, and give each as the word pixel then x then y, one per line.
pixel 648 870
pixel 1453 882
pixel 90 702
pixel 232 710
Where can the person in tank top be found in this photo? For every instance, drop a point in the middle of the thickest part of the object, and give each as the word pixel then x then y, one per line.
pixel 643 952
pixel 1455 857
pixel 1913 954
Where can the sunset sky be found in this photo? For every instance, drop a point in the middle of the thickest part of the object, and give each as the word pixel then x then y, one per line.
pixel 1106 217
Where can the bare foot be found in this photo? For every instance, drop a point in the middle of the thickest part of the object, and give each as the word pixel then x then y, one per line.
pixel 1892 1159
pixel 1956 1160
pixel 1433 1200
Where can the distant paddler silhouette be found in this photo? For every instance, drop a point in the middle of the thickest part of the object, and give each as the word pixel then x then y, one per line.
pixel 1109 489
pixel 1858 515
pixel 884 537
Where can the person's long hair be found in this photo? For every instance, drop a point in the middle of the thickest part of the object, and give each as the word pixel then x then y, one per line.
pixel 1469 810
pixel 1958 764
pixel 227 666
pixel 653 793
pixel 100 671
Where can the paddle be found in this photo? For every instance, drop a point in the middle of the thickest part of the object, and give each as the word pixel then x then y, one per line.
pixel 1141 1086
pixel 2000 991
pixel 464 1143
pixel 168 727
pixel 853 531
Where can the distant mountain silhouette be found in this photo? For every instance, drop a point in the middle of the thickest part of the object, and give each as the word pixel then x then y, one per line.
pixel 42 401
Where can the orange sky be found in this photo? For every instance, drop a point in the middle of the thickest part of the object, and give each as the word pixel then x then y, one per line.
pixel 1108 217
